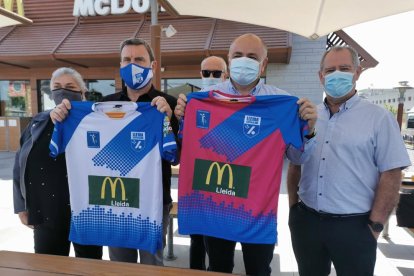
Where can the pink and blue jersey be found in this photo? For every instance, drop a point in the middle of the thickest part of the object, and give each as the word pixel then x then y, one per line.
pixel 231 164
pixel 113 156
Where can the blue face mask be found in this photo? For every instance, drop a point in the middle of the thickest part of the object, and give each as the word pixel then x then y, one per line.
pixel 244 70
pixel 338 84
pixel 135 76
pixel 206 82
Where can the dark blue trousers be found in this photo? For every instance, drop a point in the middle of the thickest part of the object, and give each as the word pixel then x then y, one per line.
pixel 320 240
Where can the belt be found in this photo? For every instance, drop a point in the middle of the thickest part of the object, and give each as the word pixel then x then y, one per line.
pixel 330 215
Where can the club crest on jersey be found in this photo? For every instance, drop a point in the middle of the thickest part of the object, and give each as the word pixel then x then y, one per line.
pixel 203 119
pixel 137 140
pixel 93 139
pixel 251 125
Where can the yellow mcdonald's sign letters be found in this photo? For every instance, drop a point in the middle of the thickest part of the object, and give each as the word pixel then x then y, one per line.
pixel 8 5
pixel 220 172
pixel 113 190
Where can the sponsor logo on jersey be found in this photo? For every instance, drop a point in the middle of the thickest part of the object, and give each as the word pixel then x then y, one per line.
pixel 251 125
pixel 203 119
pixel 113 191
pixel 137 140
pixel 167 129
pixel 93 139
pixel 221 178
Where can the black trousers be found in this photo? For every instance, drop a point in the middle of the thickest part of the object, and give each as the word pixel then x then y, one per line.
pixel 320 240
pixel 52 238
pixel 256 257
pixel 197 252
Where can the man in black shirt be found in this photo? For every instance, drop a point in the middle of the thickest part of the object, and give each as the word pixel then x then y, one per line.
pixel 137 64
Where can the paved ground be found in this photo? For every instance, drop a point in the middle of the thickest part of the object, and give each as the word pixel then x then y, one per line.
pixel 395 255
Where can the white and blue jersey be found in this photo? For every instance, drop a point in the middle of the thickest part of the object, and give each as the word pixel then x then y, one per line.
pixel 113 156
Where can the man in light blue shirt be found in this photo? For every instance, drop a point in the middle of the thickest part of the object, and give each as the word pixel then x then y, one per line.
pixel 247 61
pixel 350 185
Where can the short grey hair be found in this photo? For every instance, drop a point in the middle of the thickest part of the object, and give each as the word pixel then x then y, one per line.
pixel 71 72
pixel 352 51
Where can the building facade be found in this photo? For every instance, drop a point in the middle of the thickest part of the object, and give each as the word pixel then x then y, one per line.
pixel 90 44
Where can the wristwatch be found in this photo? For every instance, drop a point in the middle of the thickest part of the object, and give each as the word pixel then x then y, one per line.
pixel 376 226
pixel 311 135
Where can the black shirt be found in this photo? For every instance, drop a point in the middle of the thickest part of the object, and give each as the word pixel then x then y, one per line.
pixel 148 97
pixel 46 181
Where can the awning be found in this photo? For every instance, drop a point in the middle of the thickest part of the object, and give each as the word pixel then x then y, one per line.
pixel 94 41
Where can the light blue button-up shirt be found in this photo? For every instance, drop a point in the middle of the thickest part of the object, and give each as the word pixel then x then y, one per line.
pixel 354 147
pixel 298 156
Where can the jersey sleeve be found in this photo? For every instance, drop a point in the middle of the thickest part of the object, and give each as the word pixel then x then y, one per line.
pixel 56 145
pixel 169 145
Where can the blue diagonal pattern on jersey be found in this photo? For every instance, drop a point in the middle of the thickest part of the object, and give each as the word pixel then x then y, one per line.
pixel 118 153
pixel 276 112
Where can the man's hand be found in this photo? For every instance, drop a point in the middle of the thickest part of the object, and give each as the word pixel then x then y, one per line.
pixel 61 111
pixel 162 105
pixel 180 107
pixel 308 112
pixel 24 218
pixel 375 234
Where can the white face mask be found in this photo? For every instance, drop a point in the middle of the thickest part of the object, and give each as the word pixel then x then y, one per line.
pixel 244 70
pixel 206 82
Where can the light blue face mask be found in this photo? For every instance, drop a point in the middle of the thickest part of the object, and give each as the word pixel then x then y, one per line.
pixel 206 82
pixel 244 70
pixel 135 76
pixel 338 84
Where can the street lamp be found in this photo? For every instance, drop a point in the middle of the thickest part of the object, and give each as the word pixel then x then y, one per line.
pixel 401 89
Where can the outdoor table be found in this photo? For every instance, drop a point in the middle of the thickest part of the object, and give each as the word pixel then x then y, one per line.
pixel 30 264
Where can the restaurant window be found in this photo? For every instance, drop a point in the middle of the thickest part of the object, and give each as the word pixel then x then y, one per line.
pixel 97 89
pixel 15 98
pixel 175 87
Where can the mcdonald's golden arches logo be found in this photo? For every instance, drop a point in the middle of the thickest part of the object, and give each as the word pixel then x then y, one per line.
pixel 113 187
pixel 220 171
pixel 121 191
pixel 221 178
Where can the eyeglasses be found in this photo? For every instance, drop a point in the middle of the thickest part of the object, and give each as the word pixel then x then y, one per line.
pixel 207 73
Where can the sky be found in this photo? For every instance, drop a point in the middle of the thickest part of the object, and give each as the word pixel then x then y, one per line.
pixel 390 40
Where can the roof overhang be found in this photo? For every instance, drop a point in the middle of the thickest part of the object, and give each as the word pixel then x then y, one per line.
pixel 92 43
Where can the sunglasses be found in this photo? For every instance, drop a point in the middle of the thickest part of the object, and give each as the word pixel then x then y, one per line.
pixel 207 73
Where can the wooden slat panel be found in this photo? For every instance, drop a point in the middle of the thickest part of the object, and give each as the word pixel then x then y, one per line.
pixel 227 31
pixel 191 34
pixel 4 31
pixel 98 38
pixel 33 40
pixel 49 11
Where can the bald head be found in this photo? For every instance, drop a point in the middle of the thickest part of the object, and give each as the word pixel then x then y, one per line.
pixel 249 53
pixel 213 63
pixel 248 45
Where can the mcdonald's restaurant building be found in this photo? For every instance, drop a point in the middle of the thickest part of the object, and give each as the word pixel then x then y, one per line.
pixel 90 44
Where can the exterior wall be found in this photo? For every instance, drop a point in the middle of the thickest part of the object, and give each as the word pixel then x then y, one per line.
pixel 300 76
